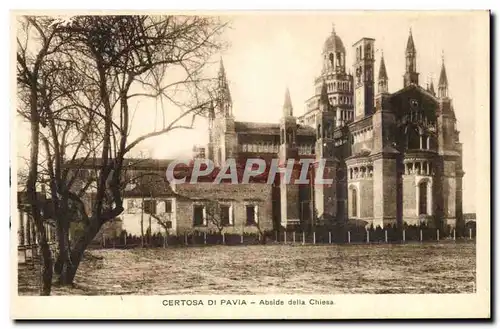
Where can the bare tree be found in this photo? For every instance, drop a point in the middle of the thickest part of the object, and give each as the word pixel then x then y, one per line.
pixel 215 214
pixel 99 67
pixel 37 42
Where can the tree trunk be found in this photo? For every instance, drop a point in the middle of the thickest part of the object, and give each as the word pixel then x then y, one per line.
pixel 63 264
pixel 80 247
pixel 46 265
pixel 46 274
pixel 142 223
pixel 150 231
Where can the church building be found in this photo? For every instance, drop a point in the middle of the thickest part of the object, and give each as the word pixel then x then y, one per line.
pixel 394 157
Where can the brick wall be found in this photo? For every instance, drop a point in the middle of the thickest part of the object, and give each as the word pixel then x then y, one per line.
pixel 449 192
pixel 384 191
pixel 409 199
pixel 236 195
pixel 290 202
pixel 366 198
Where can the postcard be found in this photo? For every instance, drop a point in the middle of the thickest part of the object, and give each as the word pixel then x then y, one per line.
pixel 250 165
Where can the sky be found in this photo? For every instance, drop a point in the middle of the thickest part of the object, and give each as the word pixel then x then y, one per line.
pixel 269 52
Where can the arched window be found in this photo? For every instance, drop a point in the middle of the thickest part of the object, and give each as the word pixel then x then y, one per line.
pixel 413 138
pixel 422 204
pixel 423 142
pixel 432 143
pixel 331 59
pixel 354 202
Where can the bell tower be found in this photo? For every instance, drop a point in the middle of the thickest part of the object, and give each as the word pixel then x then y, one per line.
pixel 288 153
pixel 325 193
pixel 222 135
pixel 449 148
pixel 364 78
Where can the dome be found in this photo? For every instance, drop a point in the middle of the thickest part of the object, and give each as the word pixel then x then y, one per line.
pixel 334 44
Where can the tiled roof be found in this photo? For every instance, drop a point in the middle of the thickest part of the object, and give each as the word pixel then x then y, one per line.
pixel 149 185
pixel 257 128
pixel 261 128
pixel 128 163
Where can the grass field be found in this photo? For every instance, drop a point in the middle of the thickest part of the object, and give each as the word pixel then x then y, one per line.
pixel 271 269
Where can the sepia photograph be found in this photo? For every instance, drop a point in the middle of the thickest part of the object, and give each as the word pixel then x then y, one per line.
pixel 284 164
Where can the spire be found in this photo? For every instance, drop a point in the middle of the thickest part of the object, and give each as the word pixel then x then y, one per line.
pixel 443 81
pixel 224 95
pixel 222 71
pixel 382 73
pixel 382 77
pixel 324 102
pixel 287 105
pixel 411 75
pixel 431 88
pixel 333 29
pixel 410 45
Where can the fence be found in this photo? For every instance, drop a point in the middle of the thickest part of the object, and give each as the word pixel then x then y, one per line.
pixel 352 236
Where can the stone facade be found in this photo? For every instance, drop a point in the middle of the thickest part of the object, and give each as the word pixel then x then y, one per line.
pixel 395 157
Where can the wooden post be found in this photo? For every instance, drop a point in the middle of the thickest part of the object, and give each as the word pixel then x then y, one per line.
pixel 348 236
pixel 185 239
pixel 454 235
pixel 421 238
pixel 284 237
pixel 314 237
pixel 293 235
pixel 276 236
pixel 330 237
pixel 367 236
pixel 404 236
pixel 223 238
pixel 303 238
pixel 386 240
pixel 470 233
pixel 204 237
pixel 165 241
pixel 241 238
pixel 103 241
pixel 125 240
pixel 437 235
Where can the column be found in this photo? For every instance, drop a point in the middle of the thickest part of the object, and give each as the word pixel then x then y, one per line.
pixel 421 139
pixel 430 211
pixel 28 231
pixel 21 227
